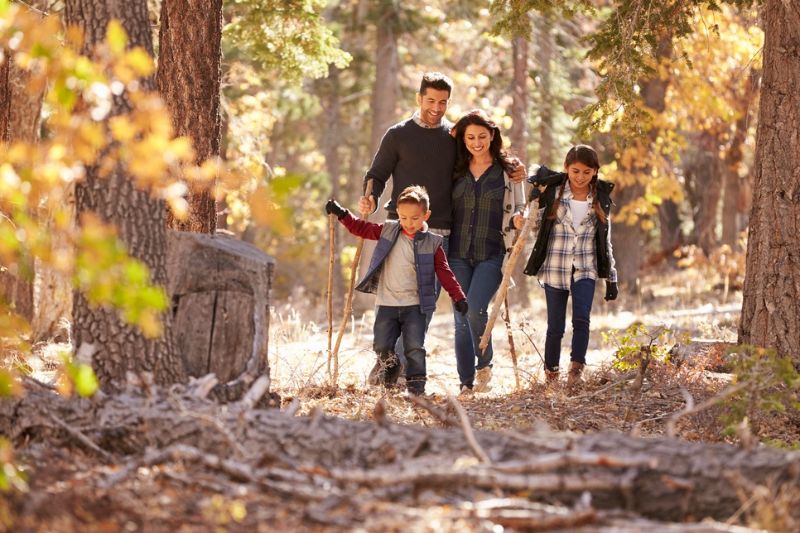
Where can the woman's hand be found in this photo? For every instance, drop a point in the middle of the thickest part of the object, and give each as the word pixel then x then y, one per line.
pixel 518 221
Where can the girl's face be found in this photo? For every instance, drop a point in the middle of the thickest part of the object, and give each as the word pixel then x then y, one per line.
pixel 580 176
pixel 477 140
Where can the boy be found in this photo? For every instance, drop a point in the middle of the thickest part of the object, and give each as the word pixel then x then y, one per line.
pixel 402 272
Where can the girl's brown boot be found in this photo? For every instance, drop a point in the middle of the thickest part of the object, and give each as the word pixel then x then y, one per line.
pixel 574 375
pixel 551 377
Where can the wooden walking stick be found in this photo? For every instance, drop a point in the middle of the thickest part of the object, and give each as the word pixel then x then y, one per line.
pixel 510 335
pixel 348 305
pixel 331 251
pixel 509 268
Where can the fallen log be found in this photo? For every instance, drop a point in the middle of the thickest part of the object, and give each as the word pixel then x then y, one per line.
pixel 659 478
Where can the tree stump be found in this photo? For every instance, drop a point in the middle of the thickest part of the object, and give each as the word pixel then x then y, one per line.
pixel 219 288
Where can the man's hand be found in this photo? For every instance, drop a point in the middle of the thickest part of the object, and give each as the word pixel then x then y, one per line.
pixel 518 171
pixel 366 205
pixel 333 208
pixel 461 306
pixel 519 221
pixel 611 291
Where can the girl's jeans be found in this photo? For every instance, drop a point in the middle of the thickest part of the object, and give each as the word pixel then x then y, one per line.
pixel 479 280
pixel 582 295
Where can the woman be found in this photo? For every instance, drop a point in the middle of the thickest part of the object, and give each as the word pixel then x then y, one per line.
pixel 487 206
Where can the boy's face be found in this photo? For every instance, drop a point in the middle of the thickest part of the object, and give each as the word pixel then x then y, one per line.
pixel 412 217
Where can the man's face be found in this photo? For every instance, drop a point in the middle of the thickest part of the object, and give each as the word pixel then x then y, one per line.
pixel 412 217
pixel 432 105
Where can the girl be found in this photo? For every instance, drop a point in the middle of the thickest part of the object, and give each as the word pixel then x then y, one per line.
pixel 487 206
pixel 572 250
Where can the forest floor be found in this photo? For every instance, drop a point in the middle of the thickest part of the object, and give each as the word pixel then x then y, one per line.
pixel 686 304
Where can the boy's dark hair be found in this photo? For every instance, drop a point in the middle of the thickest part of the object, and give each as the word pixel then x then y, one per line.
pixel 436 80
pixel 415 194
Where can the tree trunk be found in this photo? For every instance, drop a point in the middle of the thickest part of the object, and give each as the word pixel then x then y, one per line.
pixel 20 113
pixel 544 59
pixel 139 219
pixel 519 144
pixel 331 144
pixel 669 226
pixel 705 174
pixel 385 93
pixel 321 456
pixel 630 239
pixel 189 82
pixel 770 312
pixel 731 213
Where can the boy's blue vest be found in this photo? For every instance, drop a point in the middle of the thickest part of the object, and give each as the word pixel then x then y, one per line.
pixel 425 246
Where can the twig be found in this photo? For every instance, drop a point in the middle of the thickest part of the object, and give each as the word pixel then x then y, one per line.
pixel 348 305
pixel 437 413
pixel 83 439
pixel 468 433
pixel 331 252
pixel 625 377
pixel 511 347
pixel 689 409
pixel 554 461
pixel 508 269
pixel 259 388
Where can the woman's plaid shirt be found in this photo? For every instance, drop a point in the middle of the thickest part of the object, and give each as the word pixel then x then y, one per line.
pixel 570 248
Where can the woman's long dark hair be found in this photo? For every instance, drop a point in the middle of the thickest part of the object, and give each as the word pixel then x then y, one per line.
pixel 581 153
pixel 477 117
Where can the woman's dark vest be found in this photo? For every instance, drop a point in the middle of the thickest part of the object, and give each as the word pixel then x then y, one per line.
pixel 546 200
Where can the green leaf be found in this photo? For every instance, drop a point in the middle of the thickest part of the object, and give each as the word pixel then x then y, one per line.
pixel 85 381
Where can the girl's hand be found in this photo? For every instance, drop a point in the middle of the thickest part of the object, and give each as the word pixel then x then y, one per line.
pixel 519 221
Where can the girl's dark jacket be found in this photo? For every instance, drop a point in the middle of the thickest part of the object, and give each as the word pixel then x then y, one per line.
pixel 553 181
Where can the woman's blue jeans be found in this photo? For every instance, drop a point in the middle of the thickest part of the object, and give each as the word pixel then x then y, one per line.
pixel 582 295
pixel 480 281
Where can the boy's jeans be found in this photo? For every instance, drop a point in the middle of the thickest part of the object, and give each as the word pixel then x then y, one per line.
pixel 480 281
pixel 408 322
pixel 399 348
pixel 582 294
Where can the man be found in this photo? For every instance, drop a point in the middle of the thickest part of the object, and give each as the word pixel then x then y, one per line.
pixel 418 151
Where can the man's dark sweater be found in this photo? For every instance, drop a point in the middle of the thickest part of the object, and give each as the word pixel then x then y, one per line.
pixel 414 155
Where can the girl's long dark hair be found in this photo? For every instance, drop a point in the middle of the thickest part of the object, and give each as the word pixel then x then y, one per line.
pixel 581 153
pixel 477 117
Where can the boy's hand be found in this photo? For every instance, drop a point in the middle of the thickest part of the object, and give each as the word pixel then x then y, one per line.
pixel 333 208
pixel 611 291
pixel 461 306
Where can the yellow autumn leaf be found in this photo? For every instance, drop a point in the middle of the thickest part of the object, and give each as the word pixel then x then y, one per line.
pixel 116 37
pixel 122 129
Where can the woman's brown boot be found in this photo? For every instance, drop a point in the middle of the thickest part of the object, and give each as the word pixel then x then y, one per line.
pixel 551 377
pixel 574 375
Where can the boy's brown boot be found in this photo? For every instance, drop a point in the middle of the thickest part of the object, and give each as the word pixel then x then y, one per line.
pixel 574 375
pixel 551 377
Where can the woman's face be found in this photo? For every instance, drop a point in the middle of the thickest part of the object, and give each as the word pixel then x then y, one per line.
pixel 477 140
pixel 580 176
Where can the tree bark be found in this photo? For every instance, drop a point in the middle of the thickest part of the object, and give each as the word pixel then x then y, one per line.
pixel 731 214
pixel 189 82
pixel 331 144
pixel 138 217
pixel 630 239
pixel 704 172
pixel 544 59
pixel 20 114
pixel 770 313
pixel 519 143
pixel 385 94
pixel 658 477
